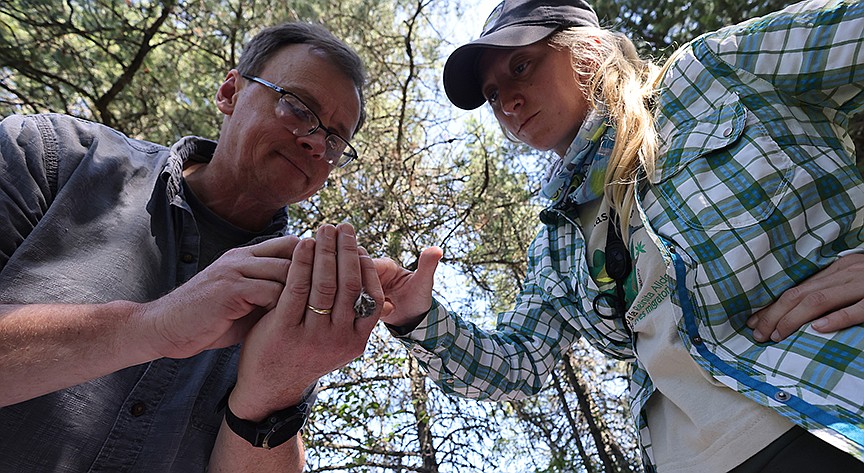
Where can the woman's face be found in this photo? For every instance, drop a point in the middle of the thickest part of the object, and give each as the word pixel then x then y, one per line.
pixel 535 94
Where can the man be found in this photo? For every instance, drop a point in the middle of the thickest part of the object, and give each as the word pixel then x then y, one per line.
pixel 118 337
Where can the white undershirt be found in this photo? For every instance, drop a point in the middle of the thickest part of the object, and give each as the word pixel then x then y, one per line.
pixel 696 423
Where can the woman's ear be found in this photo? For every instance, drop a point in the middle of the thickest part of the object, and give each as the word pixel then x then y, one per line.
pixel 226 95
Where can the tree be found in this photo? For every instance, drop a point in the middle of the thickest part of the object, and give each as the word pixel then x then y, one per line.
pixel 150 69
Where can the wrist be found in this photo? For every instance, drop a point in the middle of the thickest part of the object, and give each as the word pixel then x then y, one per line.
pixel 135 336
pixel 406 325
pixel 252 407
pixel 276 427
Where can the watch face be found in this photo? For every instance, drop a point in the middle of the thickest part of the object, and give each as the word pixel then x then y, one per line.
pixel 283 431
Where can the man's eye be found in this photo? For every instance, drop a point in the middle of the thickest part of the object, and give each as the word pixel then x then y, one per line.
pixel 520 68
pixel 492 97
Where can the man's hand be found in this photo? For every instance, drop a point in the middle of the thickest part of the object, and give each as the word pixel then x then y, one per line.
pixel 833 298
pixel 218 306
pixel 293 345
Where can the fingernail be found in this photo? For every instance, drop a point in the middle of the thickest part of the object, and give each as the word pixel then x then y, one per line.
pixel 776 336
pixel 819 324
pixel 751 322
pixel 347 229
pixel 326 231
pixel 758 336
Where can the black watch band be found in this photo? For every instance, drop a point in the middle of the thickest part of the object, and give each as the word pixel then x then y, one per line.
pixel 277 428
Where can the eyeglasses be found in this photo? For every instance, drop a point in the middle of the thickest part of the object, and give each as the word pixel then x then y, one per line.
pixel 302 121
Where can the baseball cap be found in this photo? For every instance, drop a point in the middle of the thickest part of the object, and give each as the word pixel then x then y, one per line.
pixel 512 24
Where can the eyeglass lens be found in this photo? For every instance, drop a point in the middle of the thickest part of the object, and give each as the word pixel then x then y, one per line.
pixel 302 122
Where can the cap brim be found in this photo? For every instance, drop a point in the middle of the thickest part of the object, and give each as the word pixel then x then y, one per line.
pixel 461 79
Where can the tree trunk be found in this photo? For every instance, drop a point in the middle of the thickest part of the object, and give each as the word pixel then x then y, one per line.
pixel 602 437
pixel 419 399
pixel 586 459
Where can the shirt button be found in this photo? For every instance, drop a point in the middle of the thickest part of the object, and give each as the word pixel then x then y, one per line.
pixel 137 409
pixel 782 396
pixel 727 132
pixel 188 257
pixel 697 340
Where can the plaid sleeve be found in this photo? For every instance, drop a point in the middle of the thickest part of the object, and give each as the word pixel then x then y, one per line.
pixel 514 360
pixel 812 50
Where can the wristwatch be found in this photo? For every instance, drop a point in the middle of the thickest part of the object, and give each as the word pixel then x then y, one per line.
pixel 277 428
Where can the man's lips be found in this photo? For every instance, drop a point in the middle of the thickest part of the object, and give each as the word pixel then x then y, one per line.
pixel 292 163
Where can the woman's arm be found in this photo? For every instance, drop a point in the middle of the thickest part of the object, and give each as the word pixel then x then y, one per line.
pixel 813 51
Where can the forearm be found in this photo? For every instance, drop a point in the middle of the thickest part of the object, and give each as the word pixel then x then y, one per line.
pixel 233 453
pixel 513 365
pixel 47 347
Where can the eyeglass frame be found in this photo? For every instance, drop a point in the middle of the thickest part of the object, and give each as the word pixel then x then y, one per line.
pixel 352 152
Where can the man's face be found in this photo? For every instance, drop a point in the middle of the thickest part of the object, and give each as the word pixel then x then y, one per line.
pixel 271 161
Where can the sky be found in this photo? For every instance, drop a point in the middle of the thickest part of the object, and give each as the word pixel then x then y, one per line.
pixel 468 26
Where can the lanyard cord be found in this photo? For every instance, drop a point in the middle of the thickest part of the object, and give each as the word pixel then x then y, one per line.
pixel 618 265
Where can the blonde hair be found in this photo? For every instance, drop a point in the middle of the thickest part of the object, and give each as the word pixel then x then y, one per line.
pixel 613 74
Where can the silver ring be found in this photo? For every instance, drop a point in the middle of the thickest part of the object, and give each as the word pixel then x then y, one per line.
pixel 319 311
pixel 364 306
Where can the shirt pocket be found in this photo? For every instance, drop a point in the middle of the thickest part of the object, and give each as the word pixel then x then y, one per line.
pixel 722 170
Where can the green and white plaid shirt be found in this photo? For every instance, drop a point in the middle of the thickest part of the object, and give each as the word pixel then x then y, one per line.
pixel 756 189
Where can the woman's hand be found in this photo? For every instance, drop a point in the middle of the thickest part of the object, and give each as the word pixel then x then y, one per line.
pixel 833 298
pixel 407 294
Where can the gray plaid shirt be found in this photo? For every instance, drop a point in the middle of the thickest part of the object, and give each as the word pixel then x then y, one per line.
pixel 756 189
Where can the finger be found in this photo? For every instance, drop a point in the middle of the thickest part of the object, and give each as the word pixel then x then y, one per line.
pixel 812 303
pixel 387 269
pixel 349 279
pixel 387 309
pixel 804 301
pixel 843 318
pixel 295 295
pixel 258 293
pixel 372 286
pixel 839 282
pixel 324 283
pixel 263 268
pixel 280 247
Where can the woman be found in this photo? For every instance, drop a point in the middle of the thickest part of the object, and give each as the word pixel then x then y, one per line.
pixel 734 182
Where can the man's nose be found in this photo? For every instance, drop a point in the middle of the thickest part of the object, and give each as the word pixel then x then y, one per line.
pixel 315 144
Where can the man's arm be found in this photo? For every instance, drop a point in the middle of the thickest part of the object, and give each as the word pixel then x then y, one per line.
pixel 291 346
pixel 44 348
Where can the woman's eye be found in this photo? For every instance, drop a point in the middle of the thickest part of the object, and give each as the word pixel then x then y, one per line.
pixel 520 68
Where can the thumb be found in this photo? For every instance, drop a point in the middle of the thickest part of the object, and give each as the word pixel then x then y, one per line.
pixel 427 264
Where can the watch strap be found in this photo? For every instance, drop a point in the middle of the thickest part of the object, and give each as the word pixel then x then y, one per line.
pixel 275 429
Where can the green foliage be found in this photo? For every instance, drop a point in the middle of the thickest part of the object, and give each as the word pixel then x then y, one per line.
pixel 660 26
pixel 151 69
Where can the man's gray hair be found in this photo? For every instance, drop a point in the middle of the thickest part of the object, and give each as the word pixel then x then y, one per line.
pixel 271 40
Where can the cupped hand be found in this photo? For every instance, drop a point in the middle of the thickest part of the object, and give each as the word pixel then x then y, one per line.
pixel 218 306
pixel 408 294
pixel 312 330
pixel 832 298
